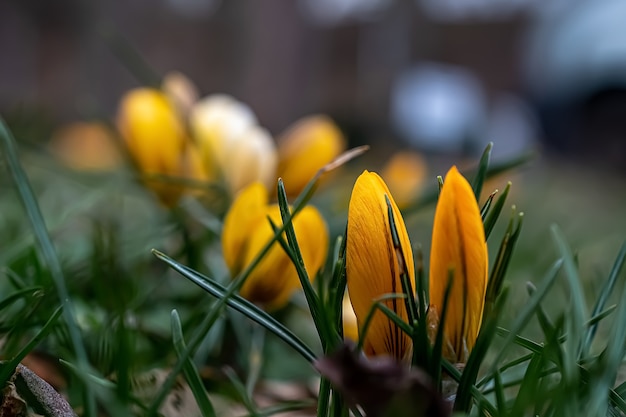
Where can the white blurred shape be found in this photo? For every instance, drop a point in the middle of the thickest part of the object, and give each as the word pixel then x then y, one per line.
pixel 332 12
pixel 577 48
pixel 437 107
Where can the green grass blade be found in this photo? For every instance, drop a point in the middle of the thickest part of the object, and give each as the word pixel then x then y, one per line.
pixel 242 305
pixel 524 316
pixel 610 362
pixel 48 253
pixel 8 367
pixel 578 311
pixel 437 352
pixel 494 213
pixel 189 369
pixel 500 266
pixel 25 293
pixel 528 389
pixel 485 209
pixel 319 317
pixel 407 287
pixel 607 290
pixel 338 286
pixel 481 174
pixel 241 391
pixel 483 342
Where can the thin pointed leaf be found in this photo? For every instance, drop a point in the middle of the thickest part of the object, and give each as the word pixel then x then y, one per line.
pixel 47 252
pixel 189 369
pixel 607 290
pixel 8 367
pixel 481 174
pixel 241 391
pixel 378 305
pixel 485 337
pixel 524 316
pixel 407 288
pixel 242 305
pixel 485 209
pixel 578 311
pixel 494 213
pixel 319 318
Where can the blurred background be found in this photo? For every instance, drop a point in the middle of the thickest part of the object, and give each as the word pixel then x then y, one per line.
pixel 443 77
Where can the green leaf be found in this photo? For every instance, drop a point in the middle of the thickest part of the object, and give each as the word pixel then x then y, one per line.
pixel 189 369
pixel 494 213
pixel 47 252
pixel 502 261
pixel 578 311
pixel 483 165
pixel 527 311
pixel 240 304
pixel 528 389
pixel 485 337
pixel 607 290
pixel 241 390
pixel 8 367
pixel 378 305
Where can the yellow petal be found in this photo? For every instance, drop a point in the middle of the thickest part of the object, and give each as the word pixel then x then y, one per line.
pixel 305 148
pixel 373 267
pixel 153 133
pixel 246 212
pixel 458 245
pixel 155 139
pixel 404 174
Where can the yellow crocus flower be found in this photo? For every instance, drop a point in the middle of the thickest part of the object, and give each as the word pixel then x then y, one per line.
pixel 156 140
pixel 458 247
pixel 247 230
pixel 304 148
pixel 374 266
pixel 230 138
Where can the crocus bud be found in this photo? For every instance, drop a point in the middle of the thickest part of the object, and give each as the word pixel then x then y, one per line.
pixel 228 135
pixel 373 266
pixel 458 248
pixel 247 230
pixel 306 147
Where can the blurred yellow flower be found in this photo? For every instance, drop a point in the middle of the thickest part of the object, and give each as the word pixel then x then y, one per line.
pixel 373 266
pixel 156 140
pixel 247 230
pixel 86 146
pixel 404 174
pixel 304 148
pixel 458 247
pixel 230 138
